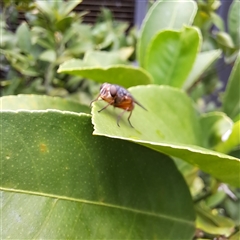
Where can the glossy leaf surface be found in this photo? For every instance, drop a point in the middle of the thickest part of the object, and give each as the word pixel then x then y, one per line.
pixel 213 223
pixel 171 126
pixel 104 59
pixel 78 186
pixel 202 62
pixel 37 102
pixel 233 21
pixel 232 141
pixel 170 57
pixel 24 37
pixel 215 125
pixel 164 15
pixel 123 75
pixel 231 101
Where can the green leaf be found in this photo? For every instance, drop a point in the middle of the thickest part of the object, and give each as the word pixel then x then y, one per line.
pixel 224 39
pixel 170 125
pixel 231 101
pixel 101 58
pixel 24 38
pixel 235 153
pixel 29 71
pixel 215 125
pixel 217 21
pixel 125 52
pixel 120 74
pixel 233 22
pixel 37 102
pixel 21 62
pixel 232 141
pixel 231 205
pixel 67 7
pixel 77 186
pixel 64 23
pixel 203 61
pixel 170 57
pixel 237 118
pixel 164 15
pixel 190 174
pixel 45 8
pixel 213 223
pixel 236 236
pixel 48 56
pixel 215 199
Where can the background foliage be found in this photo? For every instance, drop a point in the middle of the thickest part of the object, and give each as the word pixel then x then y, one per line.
pixel 175 175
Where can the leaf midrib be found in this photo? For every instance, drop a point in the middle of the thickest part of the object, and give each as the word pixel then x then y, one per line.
pixel 170 218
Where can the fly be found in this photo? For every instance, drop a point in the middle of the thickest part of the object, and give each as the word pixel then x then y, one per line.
pixel 119 97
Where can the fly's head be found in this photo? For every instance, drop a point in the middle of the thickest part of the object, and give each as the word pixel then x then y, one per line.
pixel 109 92
pixel 105 92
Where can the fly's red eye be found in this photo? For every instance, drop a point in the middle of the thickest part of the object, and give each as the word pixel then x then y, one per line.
pixel 113 90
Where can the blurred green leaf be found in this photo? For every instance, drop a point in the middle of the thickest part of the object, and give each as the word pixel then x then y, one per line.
pixel 232 209
pixel 102 59
pixel 45 7
pixel 37 102
pixel 217 21
pixel 120 74
pixel 197 187
pixel 13 86
pixel 64 23
pixel 215 199
pixel 164 15
pixel 237 118
pixel 170 57
pixel 171 126
pixel 232 141
pixel 231 101
pixel 202 62
pixel 25 64
pixel 8 39
pixel 67 7
pixel 214 4
pixel 215 125
pixel 235 153
pixel 236 236
pixel 233 22
pixel 224 39
pixel 125 52
pixel 30 71
pixel 85 186
pixel 190 174
pixel 210 222
pixel 48 56
pixel 24 38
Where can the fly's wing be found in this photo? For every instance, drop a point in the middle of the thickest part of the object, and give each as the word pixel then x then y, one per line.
pixel 139 104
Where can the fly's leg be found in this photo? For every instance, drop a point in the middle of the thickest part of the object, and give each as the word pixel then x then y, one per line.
pixel 94 100
pixel 105 106
pixel 129 119
pixel 120 116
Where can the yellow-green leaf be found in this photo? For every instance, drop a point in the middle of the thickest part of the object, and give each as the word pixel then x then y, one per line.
pixel 170 125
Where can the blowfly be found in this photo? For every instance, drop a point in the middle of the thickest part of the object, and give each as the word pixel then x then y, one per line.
pixel 119 97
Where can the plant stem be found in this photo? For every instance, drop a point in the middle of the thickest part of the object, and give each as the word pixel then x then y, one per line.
pixel 49 77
